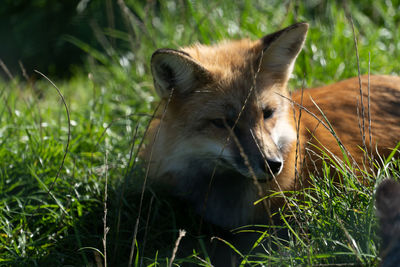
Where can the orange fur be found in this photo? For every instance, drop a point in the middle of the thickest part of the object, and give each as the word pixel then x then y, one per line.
pixel 340 102
pixel 226 128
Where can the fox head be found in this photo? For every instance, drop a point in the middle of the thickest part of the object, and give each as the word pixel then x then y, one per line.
pixel 226 104
pixel 224 109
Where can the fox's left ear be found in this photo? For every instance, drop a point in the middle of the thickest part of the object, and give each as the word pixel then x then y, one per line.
pixel 174 69
pixel 280 49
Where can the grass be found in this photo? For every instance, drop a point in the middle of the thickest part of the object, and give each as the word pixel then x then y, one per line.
pixel 110 101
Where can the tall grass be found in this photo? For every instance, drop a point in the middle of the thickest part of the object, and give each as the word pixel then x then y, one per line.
pixel 111 100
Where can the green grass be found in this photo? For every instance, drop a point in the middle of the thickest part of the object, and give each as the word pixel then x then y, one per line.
pixel 46 221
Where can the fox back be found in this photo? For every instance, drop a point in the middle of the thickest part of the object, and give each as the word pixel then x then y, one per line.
pixel 226 131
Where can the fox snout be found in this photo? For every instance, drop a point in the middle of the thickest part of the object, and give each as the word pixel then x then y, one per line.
pixel 261 159
pixel 266 168
pixel 273 166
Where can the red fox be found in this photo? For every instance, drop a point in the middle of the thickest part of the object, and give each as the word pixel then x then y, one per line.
pixel 227 130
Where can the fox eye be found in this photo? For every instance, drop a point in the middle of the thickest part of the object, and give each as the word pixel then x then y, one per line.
pixel 222 123
pixel 267 113
pixel 219 123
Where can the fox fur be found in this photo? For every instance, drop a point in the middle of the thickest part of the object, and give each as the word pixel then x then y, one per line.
pixel 228 132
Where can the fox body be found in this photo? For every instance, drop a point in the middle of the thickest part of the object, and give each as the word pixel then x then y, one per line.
pixel 227 131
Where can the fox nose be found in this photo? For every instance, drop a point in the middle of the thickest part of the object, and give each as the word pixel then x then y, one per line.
pixel 273 166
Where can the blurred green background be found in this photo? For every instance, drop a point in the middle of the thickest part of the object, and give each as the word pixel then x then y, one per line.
pixel 35 32
pixel 40 33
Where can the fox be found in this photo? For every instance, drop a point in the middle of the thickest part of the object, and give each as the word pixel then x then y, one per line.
pixel 228 132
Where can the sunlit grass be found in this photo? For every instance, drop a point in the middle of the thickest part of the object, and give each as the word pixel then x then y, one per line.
pixel 110 100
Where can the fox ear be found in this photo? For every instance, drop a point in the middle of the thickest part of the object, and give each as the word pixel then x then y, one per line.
pixel 176 69
pixel 282 48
